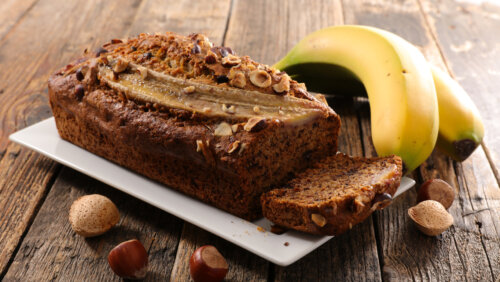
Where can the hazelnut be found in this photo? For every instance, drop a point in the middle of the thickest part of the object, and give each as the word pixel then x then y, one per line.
pixel 430 217
pixel 92 215
pixel 129 260
pixel 283 85
pixel 238 79
pixel 260 78
pixel 230 61
pixel 437 190
pixel 207 264
pixel 318 219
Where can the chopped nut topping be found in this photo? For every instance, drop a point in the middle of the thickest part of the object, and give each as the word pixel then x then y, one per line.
pixel 143 72
pixel 120 65
pixel 223 129
pixel 242 148
pixel 188 90
pixel 235 127
pixel 318 219
pixel 255 124
pixel 229 110
pixel 283 85
pixel 199 145
pixel 230 61
pixel 260 78
pixel 233 146
pixel 206 110
pixel 256 109
pixel 237 79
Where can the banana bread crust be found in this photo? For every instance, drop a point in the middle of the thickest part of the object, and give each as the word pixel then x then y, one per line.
pixel 179 148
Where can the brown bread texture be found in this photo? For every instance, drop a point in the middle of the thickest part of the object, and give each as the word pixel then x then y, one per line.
pixel 334 194
pixel 180 147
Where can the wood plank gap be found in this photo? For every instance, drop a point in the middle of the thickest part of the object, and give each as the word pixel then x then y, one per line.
pixel 433 34
pixel 11 29
pixel 229 14
pixel 463 185
pixel 47 189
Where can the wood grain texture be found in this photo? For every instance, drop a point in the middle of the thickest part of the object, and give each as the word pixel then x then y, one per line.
pixel 467 34
pixel 407 254
pixel 12 12
pixel 33 51
pixel 52 251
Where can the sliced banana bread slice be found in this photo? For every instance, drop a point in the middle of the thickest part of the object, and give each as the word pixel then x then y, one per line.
pixel 335 194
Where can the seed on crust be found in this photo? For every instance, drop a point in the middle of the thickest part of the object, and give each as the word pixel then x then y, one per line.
pixel 318 219
pixel 260 78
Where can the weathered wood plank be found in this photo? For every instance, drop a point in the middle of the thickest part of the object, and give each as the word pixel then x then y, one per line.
pixel 11 12
pixel 140 220
pixel 467 34
pixel 407 254
pixel 37 46
pixel 51 250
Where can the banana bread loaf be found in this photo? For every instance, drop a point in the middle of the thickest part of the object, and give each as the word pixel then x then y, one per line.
pixel 197 118
pixel 335 194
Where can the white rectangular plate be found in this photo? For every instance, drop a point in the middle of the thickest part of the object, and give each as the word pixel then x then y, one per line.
pixel 43 138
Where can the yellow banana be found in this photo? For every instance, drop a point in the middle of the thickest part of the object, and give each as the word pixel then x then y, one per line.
pixel 460 126
pixel 397 79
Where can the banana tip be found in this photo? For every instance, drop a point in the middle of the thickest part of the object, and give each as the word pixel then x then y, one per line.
pixel 464 148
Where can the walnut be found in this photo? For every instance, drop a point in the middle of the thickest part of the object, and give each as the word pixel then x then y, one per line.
pixel 233 146
pixel 231 60
pixel 283 85
pixel 260 78
pixel 120 65
pixel 223 129
pixel 318 219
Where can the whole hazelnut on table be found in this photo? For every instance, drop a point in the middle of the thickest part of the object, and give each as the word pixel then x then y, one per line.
pixel 92 215
pixel 431 217
pixel 207 264
pixel 437 190
pixel 129 260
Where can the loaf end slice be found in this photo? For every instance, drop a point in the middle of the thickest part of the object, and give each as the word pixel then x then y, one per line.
pixel 334 195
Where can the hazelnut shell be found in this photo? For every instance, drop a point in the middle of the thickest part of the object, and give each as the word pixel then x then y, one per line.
pixel 92 215
pixel 207 264
pixel 437 190
pixel 431 217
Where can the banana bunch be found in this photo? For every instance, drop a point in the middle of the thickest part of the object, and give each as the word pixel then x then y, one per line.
pixel 408 97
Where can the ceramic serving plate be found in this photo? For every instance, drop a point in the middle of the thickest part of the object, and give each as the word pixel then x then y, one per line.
pixel 252 236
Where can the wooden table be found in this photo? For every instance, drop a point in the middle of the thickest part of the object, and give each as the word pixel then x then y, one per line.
pixel 39 36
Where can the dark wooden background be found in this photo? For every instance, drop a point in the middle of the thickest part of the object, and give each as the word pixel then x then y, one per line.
pixel 39 36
